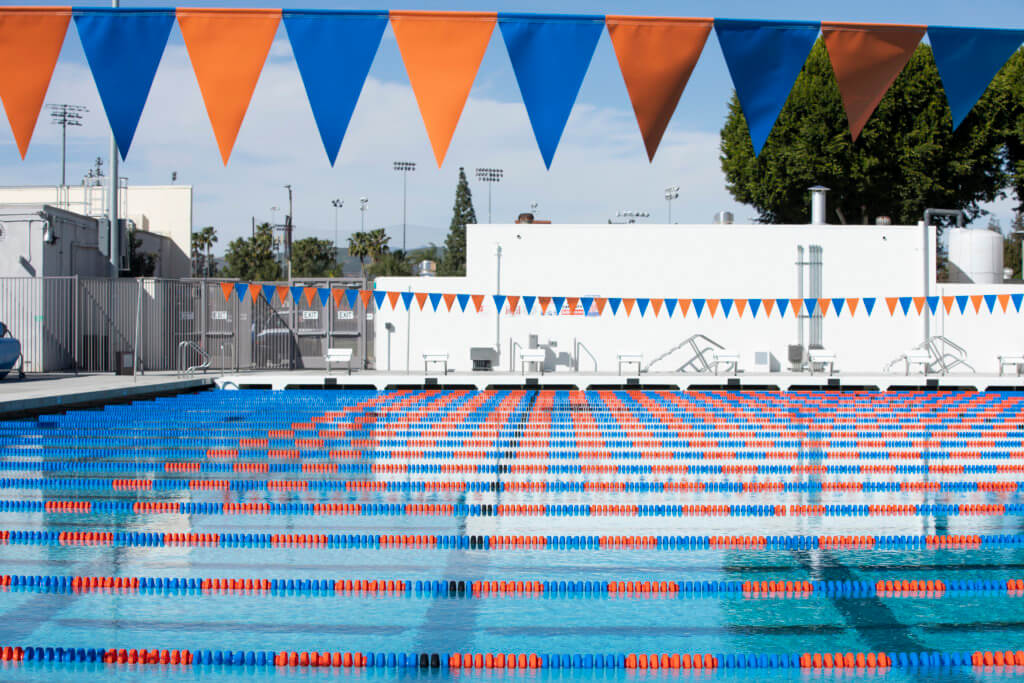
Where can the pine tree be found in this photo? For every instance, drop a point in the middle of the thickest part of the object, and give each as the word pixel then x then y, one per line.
pixel 462 215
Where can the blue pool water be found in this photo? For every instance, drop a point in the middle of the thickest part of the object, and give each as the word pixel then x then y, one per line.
pixel 195 449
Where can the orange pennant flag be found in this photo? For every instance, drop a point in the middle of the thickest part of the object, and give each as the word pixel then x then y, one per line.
pixel 513 304
pixel 976 299
pixel 572 301
pixel 892 302
pixel 478 301
pixel 797 305
pixel 282 294
pixel 656 56
pixel 421 298
pixel 741 306
pixel 851 303
pixel 544 301
pixel 30 42
pixel 684 306
pixel 769 306
pixel 227 288
pixel 919 304
pixel 337 295
pixel 712 307
pixel 254 292
pixel 947 303
pixel 656 306
pixel 228 48
pixel 393 299
pixel 449 299
pixel 365 295
pixel 309 293
pixel 442 52
pixel 600 303
pixel 1004 299
pixel 628 305
pixel 823 306
pixel 866 59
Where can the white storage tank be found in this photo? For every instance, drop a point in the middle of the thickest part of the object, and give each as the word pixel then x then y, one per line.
pixel 975 256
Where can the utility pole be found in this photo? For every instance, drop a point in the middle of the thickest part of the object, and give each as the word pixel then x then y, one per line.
pixel 288 235
pixel 404 167
pixel 489 176
pixel 65 115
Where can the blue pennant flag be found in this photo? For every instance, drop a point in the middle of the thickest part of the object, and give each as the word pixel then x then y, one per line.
pixel 961 301
pixel 528 301
pixel 670 306
pixel 810 305
pixel 755 306
pixel 837 304
pixel 435 299
pixel 968 59
pixel 378 298
pixel 642 304
pixel 268 293
pixel 726 306
pixel 764 59
pixel 783 306
pixel 869 304
pixel 933 303
pixel 1016 299
pixel 296 294
pixel 240 289
pixel 990 300
pixel 463 299
pixel 334 50
pixel 351 297
pixel 905 302
pixel 499 301
pixel 615 302
pixel 698 305
pixel 407 299
pixel 123 48
pixel 587 302
pixel 558 301
pixel 550 55
pixel 325 295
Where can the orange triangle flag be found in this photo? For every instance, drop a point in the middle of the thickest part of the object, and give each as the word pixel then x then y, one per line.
pixel 656 306
pixel 478 301
pixel 30 42
pixel 741 306
pixel 254 292
pixel 919 304
pixel 442 52
pixel 337 295
pixel 628 305
pixel 684 306
pixel 713 307
pixel 544 301
pixel 1004 299
pixel 393 299
pixel 228 48
pixel 866 59
pixel 797 305
pixel 282 294
pixel 227 288
pixel 769 305
pixel 421 298
pixel 513 304
pixel 449 299
pixel 656 56
pixel 891 302
pixel 572 301
pixel 309 293
pixel 365 295
pixel 823 306
pixel 947 303
pixel 600 302
pixel 976 299
pixel 851 303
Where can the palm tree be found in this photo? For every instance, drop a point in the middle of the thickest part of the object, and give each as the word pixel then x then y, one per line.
pixel 359 246
pixel 203 241
pixel 377 243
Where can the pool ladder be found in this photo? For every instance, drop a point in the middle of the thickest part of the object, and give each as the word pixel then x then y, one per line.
pixel 183 349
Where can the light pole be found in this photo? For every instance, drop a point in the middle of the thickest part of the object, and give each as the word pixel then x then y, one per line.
pixel 489 176
pixel 631 216
pixel 670 194
pixel 404 167
pixel 288 232
pixel 363 201
pixel 65 115
pixel 337 204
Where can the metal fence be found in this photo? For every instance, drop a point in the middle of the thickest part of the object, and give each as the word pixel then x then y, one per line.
pixel 91 324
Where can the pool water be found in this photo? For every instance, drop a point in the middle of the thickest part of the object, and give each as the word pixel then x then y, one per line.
pixel 315 486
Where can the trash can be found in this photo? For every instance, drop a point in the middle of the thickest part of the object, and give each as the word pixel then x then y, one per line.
pixel 125 363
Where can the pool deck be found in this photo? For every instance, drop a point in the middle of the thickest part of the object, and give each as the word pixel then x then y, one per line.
pixel 319 379
pixel 48 392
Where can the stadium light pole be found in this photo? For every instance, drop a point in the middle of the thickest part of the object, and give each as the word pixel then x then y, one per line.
pixel 363 201
pixel 337 204
pixel 670 194
pixel 489 176
pixel 404 167
pixel 631 216
pixel 65 115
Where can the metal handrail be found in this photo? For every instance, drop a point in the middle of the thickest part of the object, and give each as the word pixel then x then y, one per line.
pixel 512 346
pixel 576 352
pixel 940 360
pixel 698 352
pixel 183 347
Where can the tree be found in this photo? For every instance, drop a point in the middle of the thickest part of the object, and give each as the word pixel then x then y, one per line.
pixel 254 258
pixel 312 257
pixel 1007 93
pixel 140 263
pixel 462 215
pixel 392 263
pixel 359 247
pixel 202 243
pixel 906 159
pixel 377 244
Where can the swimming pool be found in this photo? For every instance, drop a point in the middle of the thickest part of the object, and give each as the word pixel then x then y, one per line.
pixel 581 532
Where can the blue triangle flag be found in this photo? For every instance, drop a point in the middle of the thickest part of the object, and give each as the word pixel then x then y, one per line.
pixel 670 306
pixel 961 301
pixel 528 301
pixel 240 289
pixel 990 300
pixel 325 294
pixel 378 298
pixel 558 301
pixel 550 55
pixel 726 306
pixel 463 299
pixel 642 304
pixel 698 305
pixel 755 306
pixel 764 59
pixel 968 59
pixel 837 304
pixel 869 304
pixel 334 50
pixel 587 302
pixel 783 306
pixel 352 297
pixel 1016 299
pixel 268 292
pixel 499 301
pixel 615 302
pixel 810 305
pixel 905 302
pixel 123 48
pixel 296 294
pixel 435 299
pixel 933 303
pixel 407 299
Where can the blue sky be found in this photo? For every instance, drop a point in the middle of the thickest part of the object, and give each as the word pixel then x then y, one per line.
pixel 599 169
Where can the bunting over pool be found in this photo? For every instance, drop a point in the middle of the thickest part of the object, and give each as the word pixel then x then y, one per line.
pixel 442 51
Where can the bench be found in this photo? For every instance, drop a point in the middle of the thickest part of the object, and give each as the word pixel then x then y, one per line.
pixel 435 357
pixel 629 357
pixel 1016 362
pixel 532 356
pixel 823 358
pixel 339 355
pixel 730 359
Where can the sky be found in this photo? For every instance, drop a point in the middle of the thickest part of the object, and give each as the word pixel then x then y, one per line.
pixel 600 167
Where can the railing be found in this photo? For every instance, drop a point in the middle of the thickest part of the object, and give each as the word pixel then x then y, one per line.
pixel 577 346
pixel 183 349
pixel 940 359
pixel 699 344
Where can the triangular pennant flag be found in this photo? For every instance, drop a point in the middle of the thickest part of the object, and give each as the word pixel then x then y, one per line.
pixel 268 293
pixel 571 302
pixel 226 288
pixel 810 306
pixel 296 294
pixel 783 305
pixel 712 306
pixel 990 301
pixel 947 303
pixel 600 302
pixel 254 292
pixel 449 299
pixel 478 302
pixel 656 306
pixel 559 301
pixel 684 306
pixel 698 306
pixel 435 299
pixel 892 302
pixel 642 305
pixel 670 306
pixel 241 289
pixel 837 305
pixel 378 299
pixel 961 302
pixel 31 39
pixel 338 295
pixel 866 59
pixel 968 59
pixel 933 303
pixel 228 48
pixel 325 295
pixel 741 306
pixel 656 56
pixel 463 299
pixel 726 306
pixel 365 295
pixel 550 54
pixel 851 303
pixel 393 298
pixel 528 301
pixel 123 48
pixel 976 299
pixel 905 302
pixel 282 294
pixel 513 304
pixel 614 302
pixel 309 293
pixel 1016 299
pixel 407 299
pixel 499 301
pixel 823 305
pixel 769 304
pixel 628 305
pixel 421 299
pixel 919 304
pixel 352 297
pixel 544 301
pixel 869 304
pixel 442 52
pixel 764 59
pixel 334 50
pixel 588 303
pixel 1004 300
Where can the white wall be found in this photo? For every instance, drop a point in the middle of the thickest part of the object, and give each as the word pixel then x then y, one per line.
pixel 704 261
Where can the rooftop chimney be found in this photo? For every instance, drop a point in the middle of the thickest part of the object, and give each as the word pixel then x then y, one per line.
pixel 818 204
